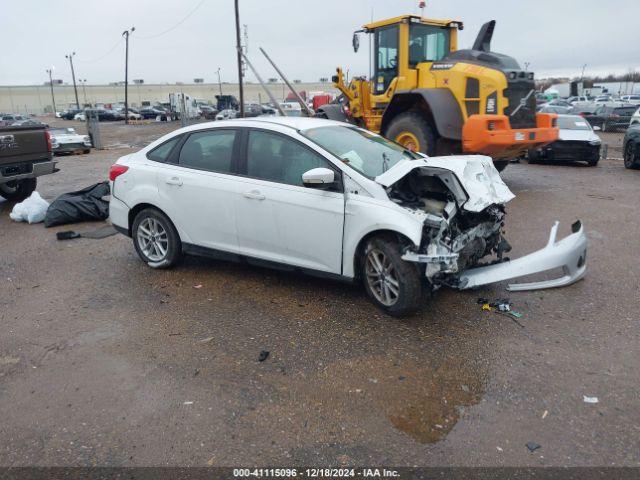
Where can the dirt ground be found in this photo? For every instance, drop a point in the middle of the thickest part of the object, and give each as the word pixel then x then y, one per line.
pixel 104 361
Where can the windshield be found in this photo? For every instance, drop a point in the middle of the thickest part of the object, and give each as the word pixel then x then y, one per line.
pixel 366 152
pixel 573 123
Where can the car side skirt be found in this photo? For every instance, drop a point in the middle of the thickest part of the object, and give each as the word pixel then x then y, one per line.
pixel 197 250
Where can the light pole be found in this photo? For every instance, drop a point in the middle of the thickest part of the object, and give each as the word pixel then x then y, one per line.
pixel 219 82
pixel 526 66
pixel 53 98
pixel 84 90
pixel 126 34
pixel 239 54
pixel 73 76
pixel 582 75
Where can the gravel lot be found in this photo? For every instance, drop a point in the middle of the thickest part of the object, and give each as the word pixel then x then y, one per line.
pixel 104 361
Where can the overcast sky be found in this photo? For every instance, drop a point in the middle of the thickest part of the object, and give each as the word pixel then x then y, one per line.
pixel 307 39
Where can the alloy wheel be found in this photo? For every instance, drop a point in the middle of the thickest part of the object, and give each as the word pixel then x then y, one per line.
pixel 153 239
pixel 382 277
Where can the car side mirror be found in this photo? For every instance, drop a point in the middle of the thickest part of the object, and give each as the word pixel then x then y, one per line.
pixel 355 42
pixel 597 128
pixel 318 177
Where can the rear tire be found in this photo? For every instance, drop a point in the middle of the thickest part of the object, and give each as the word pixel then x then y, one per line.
pixel 155 238
pixel 631 156
pixel 18 190
pixel 413 131
pixel 393 284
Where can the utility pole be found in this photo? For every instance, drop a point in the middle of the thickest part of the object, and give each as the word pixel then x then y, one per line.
pixel 526 66
pixel 239 54
pixel 53 98
pixel 219 82
pixel 126 34
pixel 73 76
pixel 84 90
pixel 582 76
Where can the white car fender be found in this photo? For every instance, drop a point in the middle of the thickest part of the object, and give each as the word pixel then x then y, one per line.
pixel 364 215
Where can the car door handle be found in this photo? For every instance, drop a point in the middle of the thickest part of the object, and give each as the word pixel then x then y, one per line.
pixel 174 181
pixel 254 194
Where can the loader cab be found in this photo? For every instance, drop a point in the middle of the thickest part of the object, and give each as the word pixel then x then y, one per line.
pixel 400 44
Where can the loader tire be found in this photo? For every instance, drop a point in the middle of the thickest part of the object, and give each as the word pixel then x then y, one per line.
pixel 414 132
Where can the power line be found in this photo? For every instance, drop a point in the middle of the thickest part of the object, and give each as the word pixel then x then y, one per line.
pixel 175 26
pixel 103 56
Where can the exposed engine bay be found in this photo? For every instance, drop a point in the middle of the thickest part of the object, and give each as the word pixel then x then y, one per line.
pixel 453 239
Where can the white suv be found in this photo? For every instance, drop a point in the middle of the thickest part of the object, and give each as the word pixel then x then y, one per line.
pixel 328 198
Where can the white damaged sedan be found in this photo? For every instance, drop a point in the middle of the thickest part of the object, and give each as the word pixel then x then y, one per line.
pixel 329 199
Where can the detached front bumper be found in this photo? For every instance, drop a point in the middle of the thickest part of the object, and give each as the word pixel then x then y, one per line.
pixel 492 135
pixel 570 254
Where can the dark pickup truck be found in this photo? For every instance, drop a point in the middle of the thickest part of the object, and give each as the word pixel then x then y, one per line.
pixel 25 154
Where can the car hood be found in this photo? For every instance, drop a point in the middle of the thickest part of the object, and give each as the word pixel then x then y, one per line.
pixel 476 174
pixel 577 135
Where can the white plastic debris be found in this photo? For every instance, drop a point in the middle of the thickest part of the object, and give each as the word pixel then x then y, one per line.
pixel 188 403
pixel 32 210
pixel 589 399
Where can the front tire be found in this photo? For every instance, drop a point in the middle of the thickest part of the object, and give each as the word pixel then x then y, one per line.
pixel 18 190
pixel 155 239
pixel 393 284
pixel 414 132
pixel 631 156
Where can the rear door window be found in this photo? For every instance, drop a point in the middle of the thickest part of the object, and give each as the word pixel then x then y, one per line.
pixel 161 153
pixel 211 150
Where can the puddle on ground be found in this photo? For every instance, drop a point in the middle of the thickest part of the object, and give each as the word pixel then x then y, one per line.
pixel 432 410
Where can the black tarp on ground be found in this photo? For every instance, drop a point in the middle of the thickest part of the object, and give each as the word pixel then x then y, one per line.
pixel 80 206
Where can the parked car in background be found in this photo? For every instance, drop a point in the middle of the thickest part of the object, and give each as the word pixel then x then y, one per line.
pixel 554 109
pixel 132 113
pixel 67 140
pixel 328 198
pixel 577 142
pixel 585 110
pixel 226 114
pixel 151 112
pixel 81 117
pixel 69 114
pixel 633 99
pixel 631 147
pixel 635 118
pixel 577 99
pixel 208 112
pixel 29 122
pixel 603 98
pixel 611 117
pixel 9 118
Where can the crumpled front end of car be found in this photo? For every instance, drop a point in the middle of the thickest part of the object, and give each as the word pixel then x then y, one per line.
pixel 460 201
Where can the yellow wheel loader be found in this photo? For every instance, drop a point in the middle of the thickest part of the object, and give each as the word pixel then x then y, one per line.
pixel 429 96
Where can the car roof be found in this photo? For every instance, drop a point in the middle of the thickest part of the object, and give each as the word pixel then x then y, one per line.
pixel 295 123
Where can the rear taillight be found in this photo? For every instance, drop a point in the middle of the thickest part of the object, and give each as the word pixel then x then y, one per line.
pixel 116 170
pixel 47 135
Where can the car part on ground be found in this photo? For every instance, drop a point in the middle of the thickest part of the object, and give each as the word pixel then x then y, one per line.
pixel 570 254
pixel 80 206
pixel 401 222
